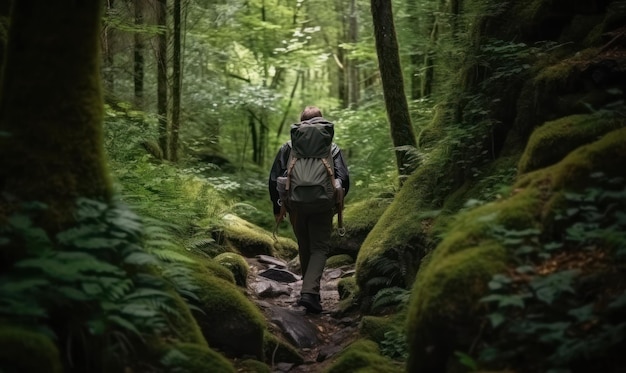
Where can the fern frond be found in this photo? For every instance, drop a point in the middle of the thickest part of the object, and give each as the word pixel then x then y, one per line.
pixel 388 297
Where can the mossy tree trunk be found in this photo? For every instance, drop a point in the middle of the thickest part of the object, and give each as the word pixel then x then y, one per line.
pixel 402 133
pixel 51 109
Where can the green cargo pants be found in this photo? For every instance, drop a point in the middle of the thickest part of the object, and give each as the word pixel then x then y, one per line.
pixel 313 234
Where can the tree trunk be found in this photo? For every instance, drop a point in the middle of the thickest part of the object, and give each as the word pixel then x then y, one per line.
pixel 138 51
pixel 51 109
pixel 416 57
pixel 176 83
pixel 162 78
pixel 429 58
pixel 402 133
pixel 109 44
pixel 353 70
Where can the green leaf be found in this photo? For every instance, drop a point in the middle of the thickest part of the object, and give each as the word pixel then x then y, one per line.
pixel 466 360
pixel 584 313
pixel 550 286
pixel 73 293
pixel 496 319
pixel 125 324
pixel 140 259
pixel 138 310
pixel 619 302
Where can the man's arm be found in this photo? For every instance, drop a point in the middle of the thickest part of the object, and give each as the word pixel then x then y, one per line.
pixel 341 170
pixel 278 169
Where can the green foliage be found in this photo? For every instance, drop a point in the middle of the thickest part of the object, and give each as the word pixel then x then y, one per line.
pixel 93 284
pixel 394 345
pixel 364 133
pixel 558 307
pixel 393 296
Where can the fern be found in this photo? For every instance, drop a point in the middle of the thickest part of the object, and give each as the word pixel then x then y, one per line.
pixel 82 275
pixel 392 296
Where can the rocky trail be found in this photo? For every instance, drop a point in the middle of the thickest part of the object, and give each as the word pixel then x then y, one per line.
pixel 275 287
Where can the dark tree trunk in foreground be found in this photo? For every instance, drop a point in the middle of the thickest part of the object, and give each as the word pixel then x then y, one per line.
pixel 402 133
pixel 51 109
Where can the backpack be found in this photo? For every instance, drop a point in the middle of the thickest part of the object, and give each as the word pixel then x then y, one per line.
pixel 308 185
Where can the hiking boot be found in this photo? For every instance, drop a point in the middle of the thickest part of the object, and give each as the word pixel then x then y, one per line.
pixel 311 302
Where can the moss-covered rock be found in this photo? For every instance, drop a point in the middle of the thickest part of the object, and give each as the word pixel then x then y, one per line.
pixel 363 356
pixel 229 321
pixel 277 350
pixel 245 238
pixel 193 358
pixel 26 351
pixel 236 264
pixel 358 220
pixel 337 261
pixel 285 248
pixel 375 327
pixel 554 140
pixel 445 309
pixel 253 366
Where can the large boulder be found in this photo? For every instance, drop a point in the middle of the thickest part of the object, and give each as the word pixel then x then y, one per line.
pixel 229 321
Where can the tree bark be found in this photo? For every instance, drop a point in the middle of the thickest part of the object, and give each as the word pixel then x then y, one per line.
pixel 176 83
pixel 51 109
pixel 353 70
pixel 402 133
pixel 138 51
pixel 162 78
pixel 109 44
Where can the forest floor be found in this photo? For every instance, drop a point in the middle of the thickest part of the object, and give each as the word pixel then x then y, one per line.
pixel 317 337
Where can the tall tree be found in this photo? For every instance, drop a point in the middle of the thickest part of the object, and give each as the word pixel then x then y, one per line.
pixel 162 85
pixel 402 133
pixel 353 70
pixel 51 109
pixel 138 53
pixel 109 52
pixel 176 82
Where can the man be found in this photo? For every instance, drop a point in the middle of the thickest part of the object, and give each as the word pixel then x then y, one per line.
pixel 312 230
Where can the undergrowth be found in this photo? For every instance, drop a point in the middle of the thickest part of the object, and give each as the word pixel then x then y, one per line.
pixel 97 288
pixel 561 308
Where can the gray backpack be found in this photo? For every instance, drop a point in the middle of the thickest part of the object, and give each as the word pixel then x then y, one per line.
pixel 308 185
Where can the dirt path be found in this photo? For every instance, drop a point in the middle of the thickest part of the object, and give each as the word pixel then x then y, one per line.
pixel 317 337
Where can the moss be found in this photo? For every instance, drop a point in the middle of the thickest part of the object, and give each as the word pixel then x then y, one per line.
pixel 246 238
pixel 61 102
pixel 184 324
pixel 229 321
pixel 193 358
pixel 336 261
pixel 606 155
pixel 445 296
pixel 26 351
pixel 363 356
pixel 554 140
pixel 401 225
pixel 375 327
pixel 236 264
pixel 210 266
pixel 253 366
pixel 363 215
pixel 278 350
pixel 285 248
